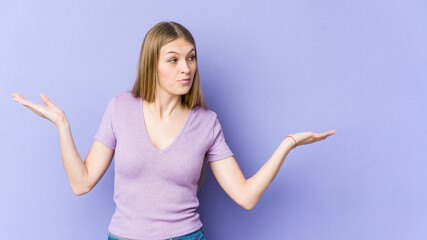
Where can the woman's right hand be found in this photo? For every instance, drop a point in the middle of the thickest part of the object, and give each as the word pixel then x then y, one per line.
pixel 51 112
pixel 310 137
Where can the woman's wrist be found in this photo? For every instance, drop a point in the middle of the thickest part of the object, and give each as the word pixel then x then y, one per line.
pixel 63 123
pixel 290 141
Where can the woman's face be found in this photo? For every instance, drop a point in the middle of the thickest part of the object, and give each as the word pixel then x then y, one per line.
pixel 176 61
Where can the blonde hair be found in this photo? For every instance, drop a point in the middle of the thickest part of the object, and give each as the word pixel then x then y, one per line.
pixel 146 79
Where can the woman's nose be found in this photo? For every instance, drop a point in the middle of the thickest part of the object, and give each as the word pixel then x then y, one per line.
pixel 185 68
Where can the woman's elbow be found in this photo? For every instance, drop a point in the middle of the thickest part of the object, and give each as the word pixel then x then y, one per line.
pixel 247 205
pixel 80 191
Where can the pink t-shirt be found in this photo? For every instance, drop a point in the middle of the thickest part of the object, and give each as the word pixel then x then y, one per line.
pixel 155 191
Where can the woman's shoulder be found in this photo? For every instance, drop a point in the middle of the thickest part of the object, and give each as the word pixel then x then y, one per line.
pixel 203 113
pixel 125 97
pixel 123 100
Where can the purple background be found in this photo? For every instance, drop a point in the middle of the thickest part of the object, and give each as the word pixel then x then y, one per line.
pixel 268 69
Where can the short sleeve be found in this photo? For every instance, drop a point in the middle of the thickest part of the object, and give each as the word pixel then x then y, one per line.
pixel 219 148
pixel 105 133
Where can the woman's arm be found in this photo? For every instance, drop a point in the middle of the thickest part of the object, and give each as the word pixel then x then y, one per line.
pixel 74 166
pixel 258 183
pixel 247 192
pixel 82 176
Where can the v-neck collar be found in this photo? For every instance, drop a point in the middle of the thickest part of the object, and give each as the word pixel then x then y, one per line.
pixel 145 133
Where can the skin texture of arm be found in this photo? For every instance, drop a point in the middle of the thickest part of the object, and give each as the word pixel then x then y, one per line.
pixel 247 192
pixel 83 175
pixel 229 176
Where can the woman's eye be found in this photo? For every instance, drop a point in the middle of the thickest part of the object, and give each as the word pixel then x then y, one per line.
pixel 174 59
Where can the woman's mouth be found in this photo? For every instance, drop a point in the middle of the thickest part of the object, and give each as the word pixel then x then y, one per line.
pixel 184 81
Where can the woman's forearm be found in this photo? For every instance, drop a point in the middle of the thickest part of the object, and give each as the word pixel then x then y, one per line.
pixel 258 183
pixel 74 166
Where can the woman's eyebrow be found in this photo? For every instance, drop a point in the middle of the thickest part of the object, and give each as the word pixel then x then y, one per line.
pixel 178 53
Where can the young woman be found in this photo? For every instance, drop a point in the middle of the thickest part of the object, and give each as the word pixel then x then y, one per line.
pixel 162 135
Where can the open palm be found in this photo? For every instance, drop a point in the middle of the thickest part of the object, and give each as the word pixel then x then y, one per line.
pixel 311 137
pixel 51 112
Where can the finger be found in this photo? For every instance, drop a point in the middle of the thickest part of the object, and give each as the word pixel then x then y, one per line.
pixel 17 94
pixel 320 136
pixel 19 97
pixel 323 135
pixel 328 133
pixel 46 100
pixel 34 107
pixel 37 108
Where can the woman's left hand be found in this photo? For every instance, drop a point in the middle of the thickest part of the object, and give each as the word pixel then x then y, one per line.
pixel 310 137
